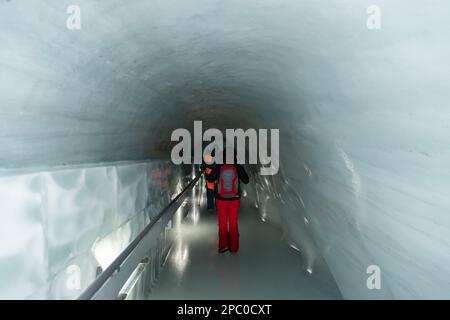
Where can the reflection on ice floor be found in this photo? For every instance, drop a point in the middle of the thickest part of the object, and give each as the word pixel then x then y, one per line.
pixel 265 267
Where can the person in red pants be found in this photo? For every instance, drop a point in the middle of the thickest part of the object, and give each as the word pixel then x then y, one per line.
pixel 228 194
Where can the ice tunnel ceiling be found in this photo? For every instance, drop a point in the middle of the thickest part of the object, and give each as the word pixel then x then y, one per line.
pixel 363 114
pixel 127 78
pixel 117 87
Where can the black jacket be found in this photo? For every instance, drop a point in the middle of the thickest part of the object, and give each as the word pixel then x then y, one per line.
pixel 214 175
pixel 204 165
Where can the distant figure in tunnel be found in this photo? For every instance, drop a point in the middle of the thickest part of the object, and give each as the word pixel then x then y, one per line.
pixel 227 192
pixel 208 166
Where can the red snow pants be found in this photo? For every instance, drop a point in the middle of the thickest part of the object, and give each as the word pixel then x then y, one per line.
pixel 227 216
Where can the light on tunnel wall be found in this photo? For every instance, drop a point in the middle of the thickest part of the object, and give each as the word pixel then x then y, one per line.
pixel 177 218
pixel 356 180
pixel 200 199
pixel 108 248
pixel 195 211
pixel 193 172
pixel 263 209
pixel 178 189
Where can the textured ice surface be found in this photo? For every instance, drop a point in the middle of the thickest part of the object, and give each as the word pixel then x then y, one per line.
pixel 364 115
pixel 57 225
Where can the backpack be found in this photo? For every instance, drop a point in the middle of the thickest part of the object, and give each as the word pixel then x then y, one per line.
pixel 228 182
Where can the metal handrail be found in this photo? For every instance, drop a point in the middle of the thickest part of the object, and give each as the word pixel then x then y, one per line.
pixel 98 283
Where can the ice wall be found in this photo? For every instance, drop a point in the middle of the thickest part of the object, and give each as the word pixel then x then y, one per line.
pixel 363 114
pixel 61 228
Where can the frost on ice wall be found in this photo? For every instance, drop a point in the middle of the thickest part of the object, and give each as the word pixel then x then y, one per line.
pixel 60 228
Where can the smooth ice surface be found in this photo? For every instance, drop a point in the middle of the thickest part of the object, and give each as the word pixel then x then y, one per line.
pixel 364 115
pixel 59 227
pixel 264 268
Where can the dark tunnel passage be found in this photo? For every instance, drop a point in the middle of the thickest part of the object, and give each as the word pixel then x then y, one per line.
pixel 86 118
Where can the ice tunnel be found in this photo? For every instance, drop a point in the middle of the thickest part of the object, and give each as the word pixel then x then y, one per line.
pixel 90 92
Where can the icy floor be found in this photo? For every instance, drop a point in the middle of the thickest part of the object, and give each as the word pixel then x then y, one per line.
pixel 265 268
